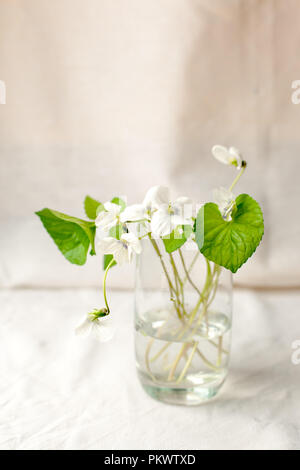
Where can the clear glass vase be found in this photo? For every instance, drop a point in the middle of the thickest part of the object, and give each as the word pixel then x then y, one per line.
pixel 183 311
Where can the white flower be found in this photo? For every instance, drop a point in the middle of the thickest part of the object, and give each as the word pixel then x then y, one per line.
pixel 140 214
pixel 109 217
pixel 138 218
pixel 100 327
pixel 122 250
pixel 225 200
pixel 157 208
pixel 227 156
pixel 155 197
pixel 169 215
pixel 134 213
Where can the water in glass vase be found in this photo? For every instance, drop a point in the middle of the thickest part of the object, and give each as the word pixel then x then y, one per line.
pixel 182 360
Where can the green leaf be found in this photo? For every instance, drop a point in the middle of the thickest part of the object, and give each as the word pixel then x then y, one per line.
pixel 92 207
pixel 230 243
pixel 177 238
pixel 119 202
pixel 106 260
pixel 71 235
pixel 115 232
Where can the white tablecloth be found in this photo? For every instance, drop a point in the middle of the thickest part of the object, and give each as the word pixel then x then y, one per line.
pixel 61 392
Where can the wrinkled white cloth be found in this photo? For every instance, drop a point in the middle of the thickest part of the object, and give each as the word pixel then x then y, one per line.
pixel 61 392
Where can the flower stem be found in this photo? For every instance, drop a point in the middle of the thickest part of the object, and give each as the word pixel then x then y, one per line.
pixel 148 349
pixel 187 274
pixel 175 363
pixel 206 297
pixel 201 299
pixel 224 351
pixel 207 362
pixel 155 246
pixel 159 353
pixel 178 283
pixel 171 287
pixel 244 166
pixel 104 283
pixel 220 344
pixel 192 265
pixel 187 365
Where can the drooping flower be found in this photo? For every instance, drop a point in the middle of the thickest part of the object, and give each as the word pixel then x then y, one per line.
pixel 225 200
pixel 228 156
pixel 109 217
pixel 96 324
pixel 122 250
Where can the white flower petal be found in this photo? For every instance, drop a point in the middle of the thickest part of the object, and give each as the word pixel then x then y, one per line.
pixel 222 195
pixel 120 249
pixel 132 242
pixel 221 153
pixel 105 220
pixel 140 229
pixel 122 254
pixel 133 213
pixel 108 218
pixel 225 200
pixel 183 211
pixel 107 246
pixel 161 223
pixel 101 233
pixel 84 328
pixel 112 207
pixel 236 155
pixel 229 156
pixel 103 329
pixel 100 328
pixel 156 196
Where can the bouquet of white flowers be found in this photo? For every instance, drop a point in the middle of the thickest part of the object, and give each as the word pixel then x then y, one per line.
pixel 226 232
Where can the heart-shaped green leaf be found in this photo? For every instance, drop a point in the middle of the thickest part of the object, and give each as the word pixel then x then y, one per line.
pixel 71 235
pixel 177 238
pixel 230 243
pixel 92 207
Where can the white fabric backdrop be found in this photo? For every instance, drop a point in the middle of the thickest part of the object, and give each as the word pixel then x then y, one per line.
pixel 110 97
pixel 60 392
